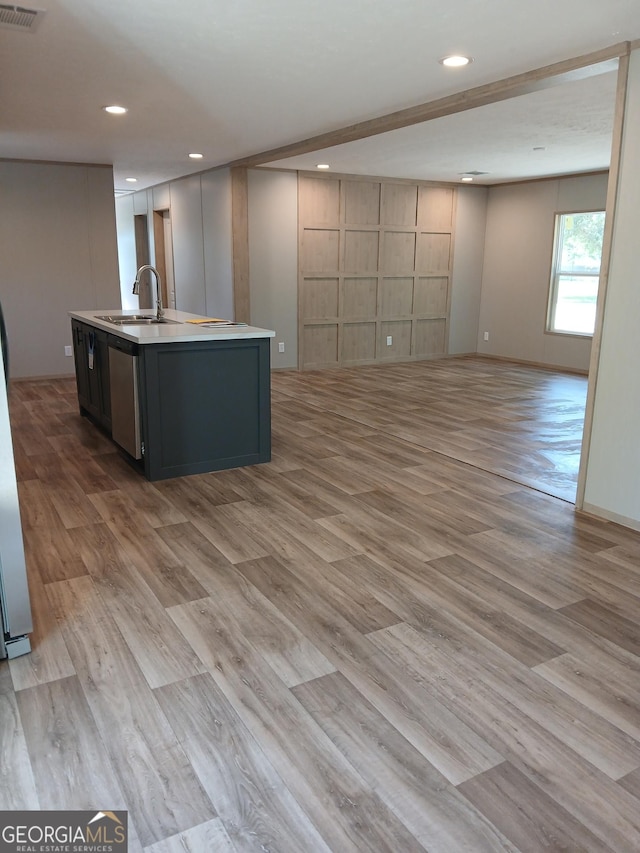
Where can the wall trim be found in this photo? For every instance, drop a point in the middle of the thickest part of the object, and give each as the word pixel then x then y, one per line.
pixel 551 368
pixel 45 378
pixel 593 511
pixel 539 365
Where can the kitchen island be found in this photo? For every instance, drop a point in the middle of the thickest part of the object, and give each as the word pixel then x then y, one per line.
pixel 179 397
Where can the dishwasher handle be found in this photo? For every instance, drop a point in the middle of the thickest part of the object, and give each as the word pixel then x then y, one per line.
pixel 125 403
pixel 122 345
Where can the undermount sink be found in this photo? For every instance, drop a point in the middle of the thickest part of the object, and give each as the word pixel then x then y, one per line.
pixel 134 319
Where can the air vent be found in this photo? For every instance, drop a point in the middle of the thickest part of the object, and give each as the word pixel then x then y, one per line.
pixel 20 18
pixel 474 172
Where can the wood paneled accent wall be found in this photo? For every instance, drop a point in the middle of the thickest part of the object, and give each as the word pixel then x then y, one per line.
pixel 375 261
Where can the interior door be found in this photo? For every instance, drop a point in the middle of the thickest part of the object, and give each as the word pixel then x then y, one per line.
pixel 163 241
pixel 142 257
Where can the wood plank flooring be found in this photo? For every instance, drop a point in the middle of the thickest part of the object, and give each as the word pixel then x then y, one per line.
pixel 387 639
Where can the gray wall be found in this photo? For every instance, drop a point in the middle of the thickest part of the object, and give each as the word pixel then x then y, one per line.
pixel 200 207
pixel 58 251
pixel 501 265
pixel 188 244
pixel 468 255
pixel 273 259
pixel 517 269
pixel 126 249
pixel 218 243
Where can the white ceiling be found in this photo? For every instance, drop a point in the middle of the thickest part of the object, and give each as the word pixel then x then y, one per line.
pixel 236 78
pixel 572 123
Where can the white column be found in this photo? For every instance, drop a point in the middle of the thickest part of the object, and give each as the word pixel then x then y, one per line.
pixel 612 484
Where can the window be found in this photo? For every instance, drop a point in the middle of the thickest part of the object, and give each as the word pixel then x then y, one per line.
pixel 575 273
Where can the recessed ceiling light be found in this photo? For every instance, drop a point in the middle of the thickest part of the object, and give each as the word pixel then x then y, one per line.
pixel 455 61
pixel 196 156
pixel 131 180
pixel 322 166
pixel 115 110
pixel 466 180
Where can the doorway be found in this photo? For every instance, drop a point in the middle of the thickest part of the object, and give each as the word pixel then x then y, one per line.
pixel 163 256
pixel 141 231
pixel 163 241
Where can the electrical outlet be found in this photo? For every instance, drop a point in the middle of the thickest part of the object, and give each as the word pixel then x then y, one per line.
pixel 68 351
pixel 486 336
pixel 389 340
pixel 280 346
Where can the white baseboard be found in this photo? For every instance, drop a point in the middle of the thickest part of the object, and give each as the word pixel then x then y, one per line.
pixel 607 515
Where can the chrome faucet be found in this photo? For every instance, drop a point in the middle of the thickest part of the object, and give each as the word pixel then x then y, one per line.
pixel 136 288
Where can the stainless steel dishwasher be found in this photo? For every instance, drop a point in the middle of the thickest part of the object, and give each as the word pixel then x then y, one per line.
pixel 125 404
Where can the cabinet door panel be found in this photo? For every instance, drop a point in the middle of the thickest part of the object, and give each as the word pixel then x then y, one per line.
pixel 104 385
pixel 92 378
pixel 93 348
pixel 81 364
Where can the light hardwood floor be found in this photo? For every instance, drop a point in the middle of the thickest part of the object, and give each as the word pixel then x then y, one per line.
pixel 372 643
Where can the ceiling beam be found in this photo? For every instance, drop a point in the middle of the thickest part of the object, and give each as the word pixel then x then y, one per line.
pixel 587 65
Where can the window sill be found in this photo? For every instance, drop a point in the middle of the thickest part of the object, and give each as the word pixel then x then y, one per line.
pixel 580 335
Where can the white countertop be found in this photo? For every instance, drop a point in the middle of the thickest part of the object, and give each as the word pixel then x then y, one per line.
pixel 165 333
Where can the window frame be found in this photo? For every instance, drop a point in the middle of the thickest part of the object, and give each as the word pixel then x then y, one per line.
pixel 557 273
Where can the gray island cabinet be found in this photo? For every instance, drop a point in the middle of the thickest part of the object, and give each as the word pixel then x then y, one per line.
pixel 178 397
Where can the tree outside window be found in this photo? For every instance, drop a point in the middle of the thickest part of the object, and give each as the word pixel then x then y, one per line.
pixel 575 273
